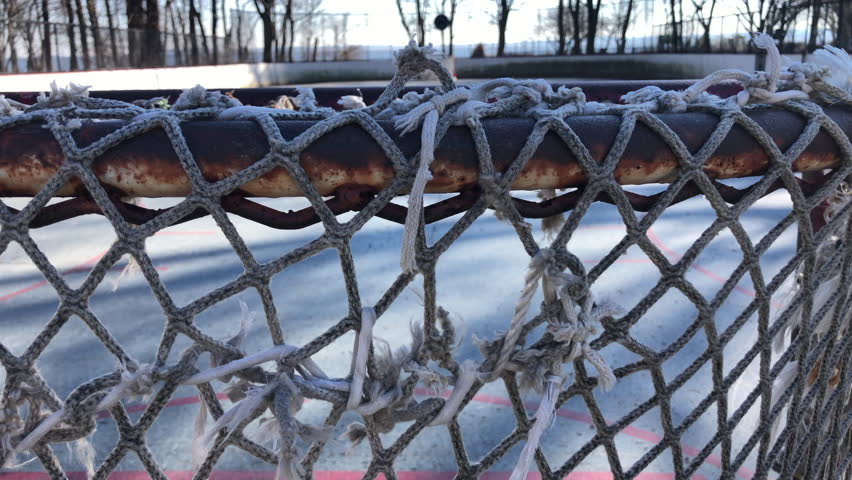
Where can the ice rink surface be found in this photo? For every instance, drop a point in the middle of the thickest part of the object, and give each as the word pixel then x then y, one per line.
pixel 479 279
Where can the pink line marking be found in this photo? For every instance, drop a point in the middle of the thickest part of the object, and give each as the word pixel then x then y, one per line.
pixel 574 415
pixel 83 267
pixel 695 266
pixel 23 290
pixel 333 475
pixel 671 253
pixel 635 432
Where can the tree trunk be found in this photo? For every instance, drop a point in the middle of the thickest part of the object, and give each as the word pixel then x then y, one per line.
pixel 502 20
pixel 574 10
pixel 135 27
pixel 268 35
pixel 112 41
pixel 153 54
pixel 674 40
pixel 268 26
pixel 844 26
pixel 179 58
pixel 401 19
pixel 816 6
pixel 46 50
pixel 214 21
pixel 97 39
pixel 226 40
pixel 453 4
pixel 193 42
pixel 29 37
pixel 84 37
pixel 292 39
pixel 203 35
pixel 592 12
pixel 282 46
pixel 622 45
pixel 72 42
pixel 316 44
pixel 4 30
pixel 285 22
pixel 421 24
pixel 187 54
pixel 560 27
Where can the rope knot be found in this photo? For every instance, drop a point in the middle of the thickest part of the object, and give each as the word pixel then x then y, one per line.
pixel 672 101
pixel 439 103
pixel 413 59
pixel 564 332
pixel 532 95
pixel 141 382
pixel 492 185
pixel 658 99
pixel 199 97
pixel 62 97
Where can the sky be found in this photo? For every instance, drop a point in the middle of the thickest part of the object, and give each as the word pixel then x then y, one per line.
pixel 380 24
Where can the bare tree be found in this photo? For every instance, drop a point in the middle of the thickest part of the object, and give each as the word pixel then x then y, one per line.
pixel 193 39
pixel 773 16
pixel 84 37
pixel 704 20
pixel 112 33
pixel 403 19
pixel 292 23
pixel 72 42
pixel 309 13
pixel 46 54
pixel 844 26
pixel 623 23
pixel 179 58
pixel 816 15
pixel 226 44
pixel 555 24
pixel 593 9
pixel 286 21
pixel 575 9
pixel 97 39
pixel 453 6
pixel 419 19
pixel 153 55
pixel 214 21
pixel 676 24
pixel 560 28
pixel 135 27
pixel 421 22
pixel 504 7
pixel 195 15
pixel 28 29
pixel 265 9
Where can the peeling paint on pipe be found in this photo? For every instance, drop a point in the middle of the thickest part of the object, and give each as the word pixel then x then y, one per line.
pixel 146 166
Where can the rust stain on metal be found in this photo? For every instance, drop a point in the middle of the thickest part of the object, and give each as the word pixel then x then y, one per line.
pixel 147 165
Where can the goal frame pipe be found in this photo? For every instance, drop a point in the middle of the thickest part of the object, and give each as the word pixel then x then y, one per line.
pixel 146 165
